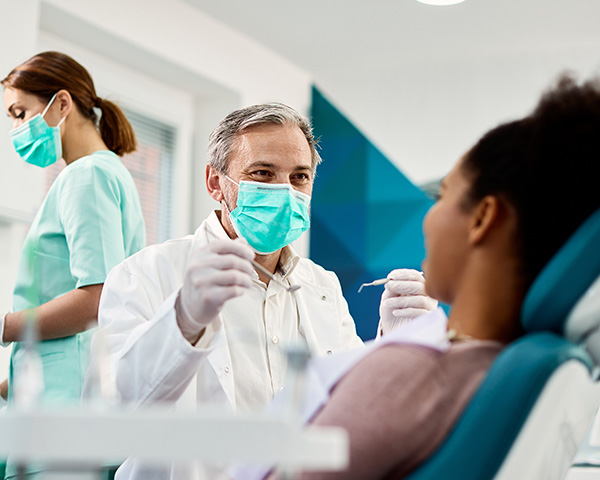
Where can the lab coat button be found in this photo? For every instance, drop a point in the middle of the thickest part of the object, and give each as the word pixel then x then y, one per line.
pixel 226 369
pixel 323 298
pixel 275 340
pixel 329 352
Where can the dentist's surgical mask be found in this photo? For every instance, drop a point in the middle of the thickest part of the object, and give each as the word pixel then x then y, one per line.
pixel 36 142
pixel 269 216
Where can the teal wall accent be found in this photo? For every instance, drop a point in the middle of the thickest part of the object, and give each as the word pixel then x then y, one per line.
pixel 366 216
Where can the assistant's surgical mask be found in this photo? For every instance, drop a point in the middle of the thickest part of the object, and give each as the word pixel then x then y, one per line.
pixel 36 142
pixel 269 215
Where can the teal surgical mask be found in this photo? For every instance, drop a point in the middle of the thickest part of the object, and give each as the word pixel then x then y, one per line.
pixel 36 142
pixel 269 215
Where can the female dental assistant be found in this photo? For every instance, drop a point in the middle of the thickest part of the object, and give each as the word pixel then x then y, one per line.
pixel 90 220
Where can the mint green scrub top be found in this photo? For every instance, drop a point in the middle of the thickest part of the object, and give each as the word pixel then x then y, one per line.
pixel 90 221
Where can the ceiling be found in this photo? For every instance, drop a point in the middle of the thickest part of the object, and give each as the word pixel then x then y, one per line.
pixel 332 38
pixel 424 82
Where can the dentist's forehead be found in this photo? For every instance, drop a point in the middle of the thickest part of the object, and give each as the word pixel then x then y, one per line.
pixel 272 146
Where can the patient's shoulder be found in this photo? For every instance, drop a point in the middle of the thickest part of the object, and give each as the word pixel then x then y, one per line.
pixel 469 357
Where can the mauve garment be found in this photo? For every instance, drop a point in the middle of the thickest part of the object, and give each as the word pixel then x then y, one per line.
pixel 400 402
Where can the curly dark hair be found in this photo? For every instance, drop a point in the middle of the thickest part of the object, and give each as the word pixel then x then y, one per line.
pixel 547 165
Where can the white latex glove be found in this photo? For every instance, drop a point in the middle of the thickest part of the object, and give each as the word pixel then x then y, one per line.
pixel 403 299
pixel 216 273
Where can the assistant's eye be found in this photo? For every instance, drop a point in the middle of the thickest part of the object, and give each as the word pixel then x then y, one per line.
pixel 20 115
pixel 261 173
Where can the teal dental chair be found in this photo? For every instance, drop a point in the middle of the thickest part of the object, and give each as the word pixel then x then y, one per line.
pixel 538 400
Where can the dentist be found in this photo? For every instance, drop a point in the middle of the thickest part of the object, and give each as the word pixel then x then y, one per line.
pixel 190 321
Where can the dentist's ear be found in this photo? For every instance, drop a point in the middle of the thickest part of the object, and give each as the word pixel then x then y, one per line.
pixel 213 183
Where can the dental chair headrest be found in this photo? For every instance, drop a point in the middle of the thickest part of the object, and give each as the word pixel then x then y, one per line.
pixel 583 322
pixel 568 280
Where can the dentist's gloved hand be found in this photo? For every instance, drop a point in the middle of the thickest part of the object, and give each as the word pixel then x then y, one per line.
pixel 216 273
pixel 403 299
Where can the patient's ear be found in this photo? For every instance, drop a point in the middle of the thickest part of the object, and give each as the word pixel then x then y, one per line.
pixel 485 216
pixel 213 183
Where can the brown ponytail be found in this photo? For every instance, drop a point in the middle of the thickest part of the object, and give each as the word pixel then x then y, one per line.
pixel 46 73
pixel 116 131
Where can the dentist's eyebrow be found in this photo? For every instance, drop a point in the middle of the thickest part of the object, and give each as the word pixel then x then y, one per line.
pixel 10 109
pixel 260 164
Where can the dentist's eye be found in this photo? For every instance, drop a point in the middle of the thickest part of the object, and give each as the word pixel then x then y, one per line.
pixel 301 178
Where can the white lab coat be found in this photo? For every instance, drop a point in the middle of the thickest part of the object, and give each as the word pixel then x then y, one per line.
pixel 154 363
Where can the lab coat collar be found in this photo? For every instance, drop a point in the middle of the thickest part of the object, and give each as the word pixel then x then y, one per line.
pixel 211 228
pixel 288 260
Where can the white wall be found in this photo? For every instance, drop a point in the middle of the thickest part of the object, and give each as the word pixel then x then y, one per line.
pixel 20 184
pixel 426 115
pixel 174 32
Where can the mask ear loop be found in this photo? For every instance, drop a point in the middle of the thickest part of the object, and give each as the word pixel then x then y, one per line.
pixel 49 104
pixel 231 180
pixel 225 201
pixel 48 107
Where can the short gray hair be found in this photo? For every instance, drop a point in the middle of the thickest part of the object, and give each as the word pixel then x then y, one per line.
pixel 222 138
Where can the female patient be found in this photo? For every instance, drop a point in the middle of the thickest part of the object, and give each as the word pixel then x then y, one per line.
pixel 504 210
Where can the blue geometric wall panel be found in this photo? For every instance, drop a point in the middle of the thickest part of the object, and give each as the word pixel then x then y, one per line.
pixel 366 216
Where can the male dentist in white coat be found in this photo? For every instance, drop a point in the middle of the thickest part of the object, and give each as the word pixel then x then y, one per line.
pixel 191 321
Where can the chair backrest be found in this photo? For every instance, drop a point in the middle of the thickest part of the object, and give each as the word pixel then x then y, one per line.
pixel 564 280
pixel 482 437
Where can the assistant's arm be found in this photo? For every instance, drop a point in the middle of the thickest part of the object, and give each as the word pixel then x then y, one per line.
pixel 89 209
pixel 64 316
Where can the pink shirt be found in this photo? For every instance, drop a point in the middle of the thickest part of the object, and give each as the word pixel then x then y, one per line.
pixel 399 403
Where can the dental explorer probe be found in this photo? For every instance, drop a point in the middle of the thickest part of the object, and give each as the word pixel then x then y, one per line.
pixel 258 266
pixel 374 283
pixel 290 288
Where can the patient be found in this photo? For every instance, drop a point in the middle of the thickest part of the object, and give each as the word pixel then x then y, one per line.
pixel 504 210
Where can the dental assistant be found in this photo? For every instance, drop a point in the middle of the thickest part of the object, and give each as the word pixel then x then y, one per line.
pixel 90 220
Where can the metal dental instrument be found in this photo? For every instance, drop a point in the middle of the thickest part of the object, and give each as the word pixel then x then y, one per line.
pixel 374 283
pixel 258 266
pixel 289 288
